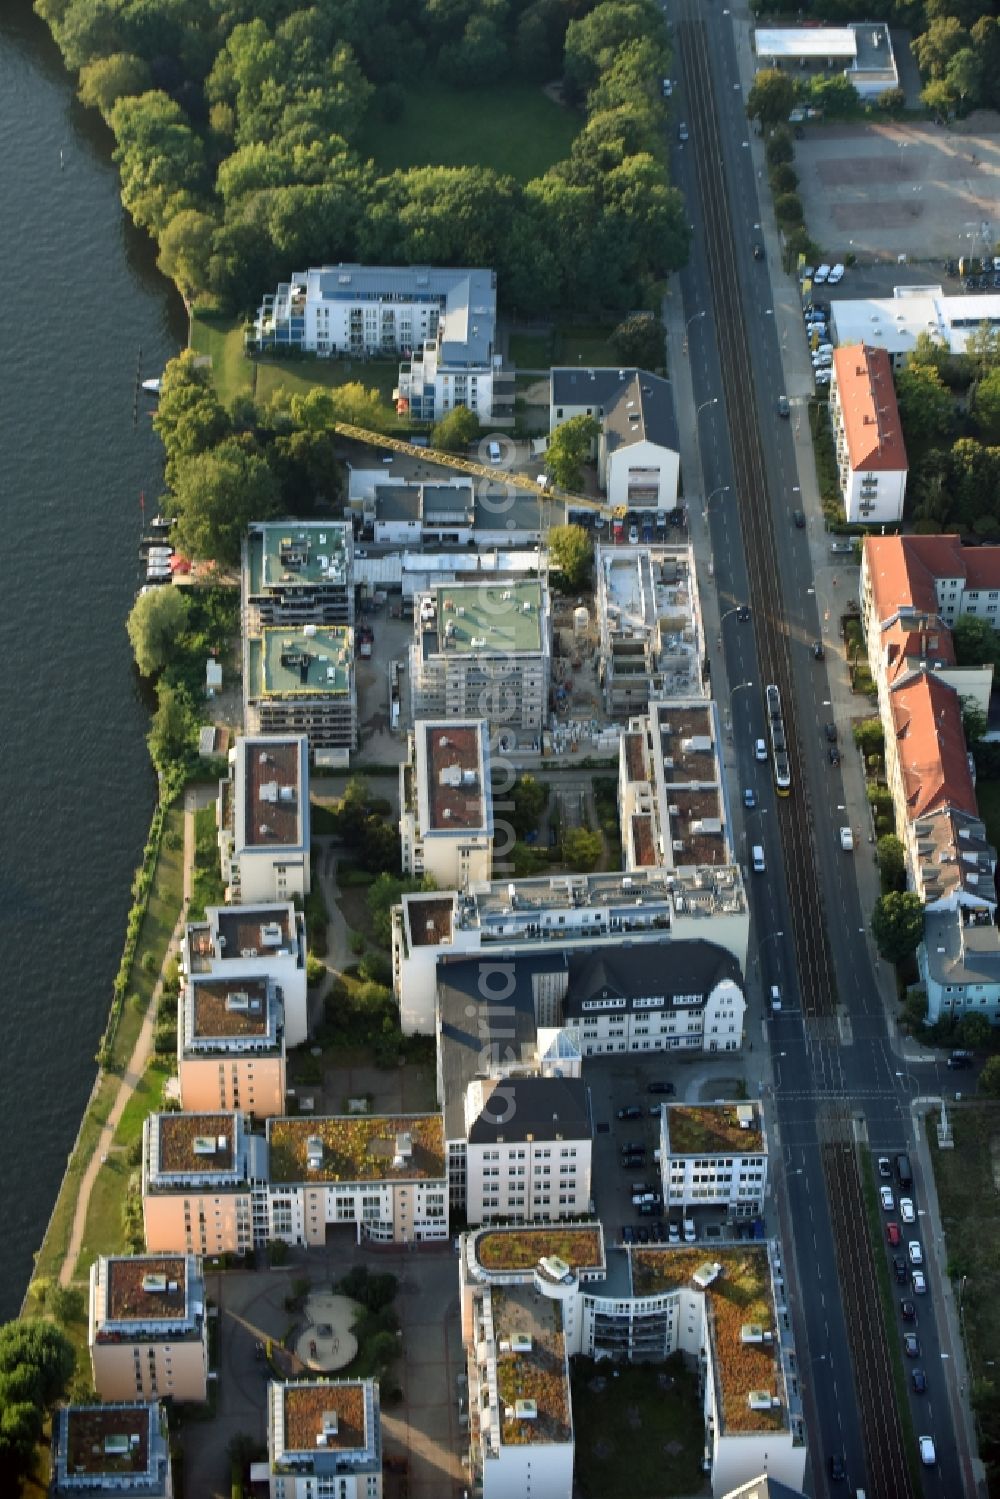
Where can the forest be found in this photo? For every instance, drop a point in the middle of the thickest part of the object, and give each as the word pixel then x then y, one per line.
pixel 238 125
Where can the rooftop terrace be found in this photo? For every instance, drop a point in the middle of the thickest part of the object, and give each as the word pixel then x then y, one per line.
pixel 714 1129
pixel 532 1378
pixel 272 792
pixel 314 660
pixel 522 1248
pixel 354 1148
pixel 485 617
pixel 285 554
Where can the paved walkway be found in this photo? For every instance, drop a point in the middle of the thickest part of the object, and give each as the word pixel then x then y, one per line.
pixel 137 1064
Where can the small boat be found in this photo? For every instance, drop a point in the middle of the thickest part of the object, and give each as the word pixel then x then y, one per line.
pixel 152 386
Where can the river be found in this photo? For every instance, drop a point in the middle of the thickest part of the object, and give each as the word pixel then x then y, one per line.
pixel 76 789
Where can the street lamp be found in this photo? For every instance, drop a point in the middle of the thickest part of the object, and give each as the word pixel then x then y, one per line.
pixel 722 489
pixel 694 319
pixel 761 944
pixel 712 401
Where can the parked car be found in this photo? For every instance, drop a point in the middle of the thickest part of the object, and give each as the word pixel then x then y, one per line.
pixel 919 1282
pixel 884 1168
pixel 821 274
pixel 911 1345
pixel 833 755
pixel 673 1234
pixel 689 1234
pixel 960 1060
pixel 659 1085
pixel 628 1234
pixel 906 1210
pixel 631 1111
pixel 823 375
pixel 915 1252
pixel 668 87
pixel 830 730
pixel 633 535
pixel 888 1201
pixel 918 1379
pixel 836 274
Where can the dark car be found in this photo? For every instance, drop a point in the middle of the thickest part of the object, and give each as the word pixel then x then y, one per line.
pixel 838 1468
pixel 918 1380
pixel 798 516
pixel 628 1234
pixel 783 407
pixel 911 1345
pixel 900 1270
pixel 659 1086
pixel 960 1059
pixel 799 133
pixel 834 755
pixel 907 1311
pixel 258 1349
pixel 631 1111
pixel 818 651
pixel 830 730
pixel 743 613
pixel 642 1234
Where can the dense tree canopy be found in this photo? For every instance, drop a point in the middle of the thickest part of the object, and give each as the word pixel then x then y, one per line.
pixel 238 130
pixel 157 619
pixel 36 1365
pixel 569 447
pixel 898 924
pixel 572 554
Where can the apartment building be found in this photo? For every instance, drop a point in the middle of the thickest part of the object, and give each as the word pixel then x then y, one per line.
pixel 111 1451
pixel 440 321
pixel 299 679
pixel 678 996
pixel 148 1335
pixel 959 962
pixel 649 617
pixel 402 511
pixel 896 323
pixel 383 1176
pixel 446 821
pixel 527 1151
pixel 868 436
pixel 714 1155
pixel 238 944
pixel 724 1309
pixel 638 450
pixel 556 913
pixel 263 817
pixel 481 650
pixel 231 1047
pixel 324 1437
pixel 927 576
pixel 672 797
pixel 298 573
pixel 199 1175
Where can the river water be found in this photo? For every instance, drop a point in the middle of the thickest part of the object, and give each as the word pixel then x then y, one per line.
pixel 82 295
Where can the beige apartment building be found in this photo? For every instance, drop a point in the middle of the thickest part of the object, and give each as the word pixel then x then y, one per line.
pixel 231 1046
pixel 111 1450
pixel 197 1175
pixel 324 1437
pixel 446 821
pixel 148 1335
pixel 263 819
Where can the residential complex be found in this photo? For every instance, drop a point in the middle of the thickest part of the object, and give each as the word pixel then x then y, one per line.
pixel 445 512
pixel 446 802
pixel 482 650
pixel 441 322
pixel 324 1437
pixel 263 817
pixel 148 1334
pixel 298 573
pixel 672 796
pixel 649 617
pixel 235 944
pixel 638 450
pixel 519 1148
pixel 531 1299
pixel 198 1175
pixel 109 1451
pixel 896 323
pixel 300 680
pixel 714 1155
pixel 231 1046
pixel 868 433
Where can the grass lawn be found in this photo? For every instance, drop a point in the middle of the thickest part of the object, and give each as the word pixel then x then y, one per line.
pixel 514 128
pixel 583 343
pixel 147 1099
pixel 531 351
pixel 207 888
pixel 633 1435
pixel 988 797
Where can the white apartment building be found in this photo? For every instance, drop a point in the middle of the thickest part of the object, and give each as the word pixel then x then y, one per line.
pixel 446 801
pixel 868 436
pixel 111 1451
pixel 299 679
pixel 725 1310
pixel 714 1155
pixel 263 818
pixel 440 321
pixel 483 650
pixel 148 1335
pixel 298 572
pixel 231 1047
pixel 527 1148
pixel 235 944
pixel 673 801
pixel 638 451
pixel 382 1176
pixel 651 634
pixel 324 1438
pixel 559 913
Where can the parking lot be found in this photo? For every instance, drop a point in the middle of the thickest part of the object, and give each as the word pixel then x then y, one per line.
pixel 880 190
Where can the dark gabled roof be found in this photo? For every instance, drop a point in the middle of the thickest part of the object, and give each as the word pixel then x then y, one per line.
pixel 632 404
pixel 546 1108
pixel 648 968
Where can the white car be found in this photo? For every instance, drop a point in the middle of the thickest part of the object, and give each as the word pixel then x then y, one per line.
pixel 927 1454
pixel 821 274
pixel 823 375
pixel 919 1282
pixel 888 1202
pixel 822 361
pixel 847 844
pixel 668 87
pixel 760 750
pixel 915 1252
pixel 906 1210
pixel 836 274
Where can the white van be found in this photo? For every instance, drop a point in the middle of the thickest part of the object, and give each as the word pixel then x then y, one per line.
pixel 775 1000
pixel 495 454
pixel 758 859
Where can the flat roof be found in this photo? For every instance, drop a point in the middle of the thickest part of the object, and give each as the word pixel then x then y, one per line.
pixel 254 931
pixel 309 661
pixel 227 1007
pixel 285 554
pixel 532 1375
pixel 146 1287
pixel 272 772
pixel 895 323
pixel 179 1134
pixel 687 740
pixel 580 1246
pixel 696 826
pixel 358 1147
pixel 492 618
pixel 110 1440
pixel 643 840
pixel 805 41
pixel 451 789
pixel 714 1129
pixel 325 1416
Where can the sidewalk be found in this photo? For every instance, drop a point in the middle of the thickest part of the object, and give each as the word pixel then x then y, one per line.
pixel 137 1063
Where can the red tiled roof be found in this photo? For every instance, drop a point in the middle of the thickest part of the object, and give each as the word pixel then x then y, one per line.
pixel 982 567
pixel 904 645
pixel 927 715
pixel 868 407
pixel 902 570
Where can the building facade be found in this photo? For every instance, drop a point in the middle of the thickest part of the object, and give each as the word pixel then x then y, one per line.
pixel 638 450
pixel 714 1155
pixel 324 1438
pixel 527 1150
pixel 203 1179
pixel 263 818
pixel 446 802
pixel 231 1047
pixel 868 436
pixel 148 1334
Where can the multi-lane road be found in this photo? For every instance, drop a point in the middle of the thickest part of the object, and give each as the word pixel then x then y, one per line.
pixel 839 1084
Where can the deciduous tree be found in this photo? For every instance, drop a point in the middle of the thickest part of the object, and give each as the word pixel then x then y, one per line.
pixel 156 620
pixel 217 494
pixel 772 96
pixel 898 924
pixel 454 432
pixel 569 447
pixel 572 555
